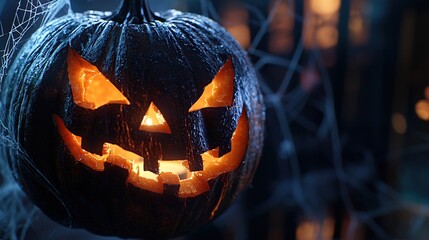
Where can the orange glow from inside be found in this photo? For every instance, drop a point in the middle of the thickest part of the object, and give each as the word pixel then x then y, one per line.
pixel 219 93
pixel 90 88
pixel 154 121
pixel 171 172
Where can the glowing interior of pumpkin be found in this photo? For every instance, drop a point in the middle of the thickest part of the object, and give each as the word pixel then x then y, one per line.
pixel 90 88
pixel 154 121
pixel 219 93
pixel 171 172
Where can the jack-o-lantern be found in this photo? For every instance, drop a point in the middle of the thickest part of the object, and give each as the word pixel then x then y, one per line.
pixel 133 124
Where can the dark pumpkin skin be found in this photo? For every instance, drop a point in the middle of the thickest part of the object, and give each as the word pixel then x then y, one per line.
pixel 167 58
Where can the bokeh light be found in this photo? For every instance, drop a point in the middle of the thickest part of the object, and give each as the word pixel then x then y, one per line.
pixel 325 7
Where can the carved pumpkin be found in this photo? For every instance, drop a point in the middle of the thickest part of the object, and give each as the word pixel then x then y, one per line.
pixel 133 124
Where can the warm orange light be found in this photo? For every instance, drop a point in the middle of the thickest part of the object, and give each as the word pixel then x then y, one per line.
pixel 325 6
pixel 320 29
pixel 241 33
pixel 281 27
pixel 171 172
pixel 358 24
pixel 154 121
pixel 235 20
pixel 90 88
pixel 422 110
pixel 399 123
pixel 219 93
pixel 316 230
pixel 327 36
pixel 427 92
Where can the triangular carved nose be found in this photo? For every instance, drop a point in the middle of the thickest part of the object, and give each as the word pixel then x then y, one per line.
pixel 154 121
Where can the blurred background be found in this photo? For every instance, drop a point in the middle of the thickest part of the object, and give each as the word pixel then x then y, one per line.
pixel 346 85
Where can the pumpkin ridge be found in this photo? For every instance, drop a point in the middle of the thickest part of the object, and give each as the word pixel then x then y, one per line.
pixel 168 62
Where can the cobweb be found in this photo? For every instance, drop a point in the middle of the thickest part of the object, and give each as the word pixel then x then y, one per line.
pixel 28 14
pixel 16 213
pixel 287 105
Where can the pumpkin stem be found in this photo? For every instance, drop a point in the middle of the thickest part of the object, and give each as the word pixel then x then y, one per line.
pixel 135 12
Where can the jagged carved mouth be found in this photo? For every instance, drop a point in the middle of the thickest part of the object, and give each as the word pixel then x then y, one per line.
pixel 171 172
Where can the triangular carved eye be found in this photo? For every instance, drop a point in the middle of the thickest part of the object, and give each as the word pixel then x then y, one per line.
pixel 220 92
pixel 90 88
pixel 154 121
